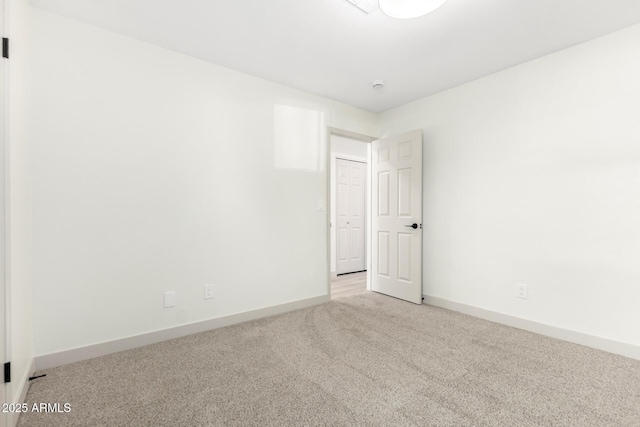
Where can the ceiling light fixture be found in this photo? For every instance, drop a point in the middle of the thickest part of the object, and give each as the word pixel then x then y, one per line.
pixel 406 9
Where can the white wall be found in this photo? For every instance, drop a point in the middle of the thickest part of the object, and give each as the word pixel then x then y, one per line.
pixel 19 267
pixel 532 175
pixel 155 171
pixel 344 148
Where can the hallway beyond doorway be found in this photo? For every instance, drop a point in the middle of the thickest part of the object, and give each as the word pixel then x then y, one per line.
pixel 346 285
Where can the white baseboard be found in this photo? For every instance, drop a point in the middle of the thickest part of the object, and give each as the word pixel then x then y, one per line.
pixel 23 387
pixel 47 361
pixel 593 341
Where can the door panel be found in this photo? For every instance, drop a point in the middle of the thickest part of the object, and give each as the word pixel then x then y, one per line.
pixel 383 254
pixel 350 216
pixel 396 253
pixel 383 193
pixel 404 193
pixel 404 257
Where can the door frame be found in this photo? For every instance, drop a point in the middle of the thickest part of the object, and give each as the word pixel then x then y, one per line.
pixel 328 167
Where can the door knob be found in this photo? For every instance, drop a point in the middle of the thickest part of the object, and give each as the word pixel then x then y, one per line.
pixel 414 225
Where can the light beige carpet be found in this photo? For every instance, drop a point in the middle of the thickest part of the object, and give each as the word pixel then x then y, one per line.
pixel 363 360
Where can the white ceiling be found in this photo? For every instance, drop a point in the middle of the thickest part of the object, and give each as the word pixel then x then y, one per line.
pixel 333 49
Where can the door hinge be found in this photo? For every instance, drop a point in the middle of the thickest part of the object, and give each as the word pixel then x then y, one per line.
pixel 7 372
pixel 5 47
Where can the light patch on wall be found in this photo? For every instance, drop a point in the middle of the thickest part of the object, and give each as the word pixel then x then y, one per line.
pixel 299 136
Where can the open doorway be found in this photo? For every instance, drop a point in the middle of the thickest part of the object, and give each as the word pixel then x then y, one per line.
pixel 349 185
pixel 394 256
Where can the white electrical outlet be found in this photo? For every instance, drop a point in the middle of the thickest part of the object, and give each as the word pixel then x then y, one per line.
pixel 169 299
pixel 522 291
pixel 208 291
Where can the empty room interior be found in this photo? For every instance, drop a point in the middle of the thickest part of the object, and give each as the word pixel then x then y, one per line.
pixel 336 212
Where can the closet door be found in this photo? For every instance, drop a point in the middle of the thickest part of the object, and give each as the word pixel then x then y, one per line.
pixel 350 216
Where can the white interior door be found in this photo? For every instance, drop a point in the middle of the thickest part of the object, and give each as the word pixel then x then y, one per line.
pixel 350 216
pixel 396 222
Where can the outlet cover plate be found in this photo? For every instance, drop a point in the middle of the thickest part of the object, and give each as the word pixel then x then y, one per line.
pixel 169 299
pixel 208 291
pixel 522 291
